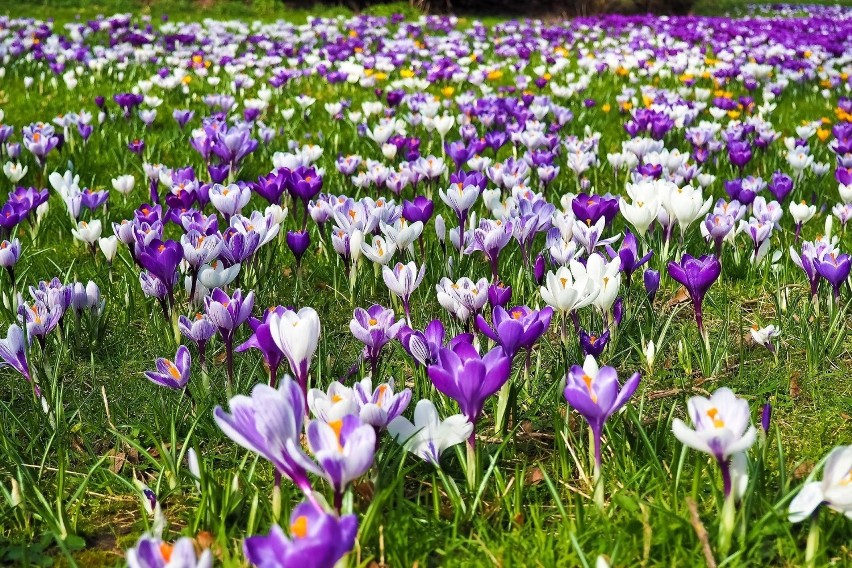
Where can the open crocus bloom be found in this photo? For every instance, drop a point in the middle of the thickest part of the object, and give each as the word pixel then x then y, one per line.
pixel 835 489
pixel 429 436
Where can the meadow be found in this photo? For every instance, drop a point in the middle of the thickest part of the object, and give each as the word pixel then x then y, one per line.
pixel 401 290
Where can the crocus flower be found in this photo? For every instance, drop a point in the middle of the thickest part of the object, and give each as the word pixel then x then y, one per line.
pixel 403 280
pixel 429 436
pixel 834 490
pixel 228 313
pixel 297 335
pixel 199 330
pixel 161 259
pixel 764 336
pixel 596 394
pixel 374 327
pixel 298 242
pixel 13 351
pixel 568 290
pixel 344 449
pixel 629 255
pixel 652 283
pixel 262 340
pixel 722 428
pixel 269 422
pixel 517 328
pixel 593 344
pixel 380 406
pixel 174 375
pixel 317 539
pixel 419 209
pixel 696 275
pixel 151 552
pixel 424 346
pixel 468 378
pixel 835 269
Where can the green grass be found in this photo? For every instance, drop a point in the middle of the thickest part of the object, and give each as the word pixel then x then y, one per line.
pixel 533 507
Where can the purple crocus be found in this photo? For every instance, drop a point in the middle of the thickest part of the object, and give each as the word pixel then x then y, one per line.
pixel 379 406
pixel 374 327
pixel 499 295
pixel 263 341
pixel 593 344
pixel 151 552
pixel 228 313
pixel 517 328
pixel 199 330
pixel 596 394
pixel 490 238
pixel 174 375
pixel 835 269
pixel 425 346
pixel 344 449
pixel 13 351
pixel 468 378
pixel 696 275
pixel 629 255
pixel 161 259
pixel 419 209
pixel 298 242
pixel 269 422
pixel 317 539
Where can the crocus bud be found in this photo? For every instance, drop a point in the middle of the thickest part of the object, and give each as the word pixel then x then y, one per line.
pixel 766 417
pixel 652 283
pixel 440 228
pixel 539 270
pixel 355 245
pixel 298 241
pixel 93 296
pixel 499 295
pixel 593 344
pixel 650 351
pixel 618 311
pixel 109 246
pixel 78 297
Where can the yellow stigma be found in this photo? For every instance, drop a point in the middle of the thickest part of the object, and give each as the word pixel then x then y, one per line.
pixel 588 381
pixel 717 422
pixel 299 527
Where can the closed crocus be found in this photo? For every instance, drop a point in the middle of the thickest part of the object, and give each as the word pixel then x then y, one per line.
pixel 198 330
pixel 429 436
pixel 402 281
pixel 834 490
pixel 317 539
pixel 88 232
pixel 835 269
pixel 13 351
pixel 297 335
pixel 228 313
pixel 109 247
pixel 468 378
pixel 517 328
pixel 151 552
pixel 721 427
pixel 344 449
pixel 10 253
pixel 269 422
pixel 261 339
pixel 123 184
pixel 172 374
pixel 696 275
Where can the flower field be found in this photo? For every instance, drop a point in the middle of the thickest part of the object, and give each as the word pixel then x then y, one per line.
pixel 426 291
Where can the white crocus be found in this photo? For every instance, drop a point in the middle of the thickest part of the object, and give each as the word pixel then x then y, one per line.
pixel 802 212
pixel 835 488
pixel 217 275
pixel 109 246
pixel 379 251
pixel 567 290
pixel 14 171
pixel 124 184
pixel 428 436
pixel 88 232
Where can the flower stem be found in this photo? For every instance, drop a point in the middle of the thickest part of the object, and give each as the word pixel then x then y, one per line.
pixel 472 468
pixel 813 542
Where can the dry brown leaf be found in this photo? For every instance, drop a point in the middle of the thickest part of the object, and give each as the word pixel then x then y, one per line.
pixel 116 460
pixel 534 476
pixel 795 389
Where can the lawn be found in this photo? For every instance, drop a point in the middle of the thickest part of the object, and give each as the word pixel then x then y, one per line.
pixel 94 456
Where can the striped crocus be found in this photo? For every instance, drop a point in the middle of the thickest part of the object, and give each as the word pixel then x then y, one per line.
pixel 269 422
pixel 228 313
pixel 403 280
pixel 13 351
pixel 172 374
pixel 721 427
pixel 374 327
pixel 151 552
pixel 377 407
